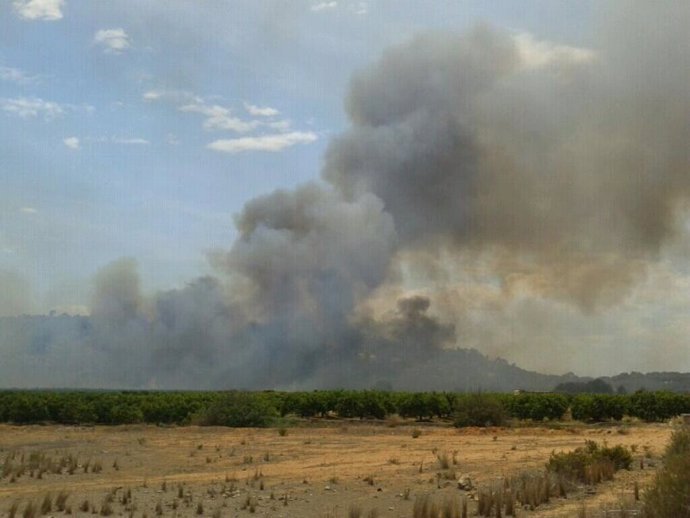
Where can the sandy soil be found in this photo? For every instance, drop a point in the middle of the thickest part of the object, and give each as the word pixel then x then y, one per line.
pixel 319 470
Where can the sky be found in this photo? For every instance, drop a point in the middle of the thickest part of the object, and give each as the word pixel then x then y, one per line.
pixel 141 129
pixel 113 117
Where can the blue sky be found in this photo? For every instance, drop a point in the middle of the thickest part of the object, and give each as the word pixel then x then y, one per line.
pixel 109 112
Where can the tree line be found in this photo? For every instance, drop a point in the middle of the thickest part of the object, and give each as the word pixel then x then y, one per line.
pixel 236 408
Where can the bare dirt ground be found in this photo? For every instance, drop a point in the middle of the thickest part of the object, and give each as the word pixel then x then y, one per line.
pixel 319 470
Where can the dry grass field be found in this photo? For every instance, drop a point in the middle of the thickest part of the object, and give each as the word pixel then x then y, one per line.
pixel 324 469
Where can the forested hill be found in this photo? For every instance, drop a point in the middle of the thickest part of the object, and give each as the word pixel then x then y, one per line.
pixel 632 381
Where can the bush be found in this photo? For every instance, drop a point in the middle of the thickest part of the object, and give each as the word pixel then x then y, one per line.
pixel 78 413
pixel 363 404
pixel 478 410
pixel 669 494
pixel 416 405
pixel 27 408
pixel 590 464
pixel 373 404
pixel 349 405
pixel 126 414
pixel 303 404
pixel 658 406
pixel 598 407
pixel 537 407
pixel 680 443
pixel 239 409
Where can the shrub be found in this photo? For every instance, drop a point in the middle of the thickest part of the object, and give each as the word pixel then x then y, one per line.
pixel 29 510
pixel 349 405
pixel 126 414
pixel 362 404
pixel 598 407
pixel 590 464
pixel 478 410
pixel 680 443
pixel 47 504
pixel 669 494
pixel 61 501
pixel 537 407
pixel 304 404
pixel 79 412
pixel 239 409
pixel 27 408
pixel 424 405
pixel 373 405
pixel 657 406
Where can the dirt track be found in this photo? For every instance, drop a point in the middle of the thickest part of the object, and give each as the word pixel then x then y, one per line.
pixel 320 471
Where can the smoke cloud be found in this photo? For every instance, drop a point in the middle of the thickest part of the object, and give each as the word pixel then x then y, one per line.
pixel 15 296
pixel 484 177
pixel 568 174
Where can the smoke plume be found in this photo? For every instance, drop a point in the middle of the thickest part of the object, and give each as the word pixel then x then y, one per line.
pixel 485 176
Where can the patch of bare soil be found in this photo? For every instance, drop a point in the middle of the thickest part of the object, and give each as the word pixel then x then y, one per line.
pixel 323 471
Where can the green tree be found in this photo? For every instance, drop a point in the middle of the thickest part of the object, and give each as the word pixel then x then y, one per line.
pixel 479 410
pixel 239 409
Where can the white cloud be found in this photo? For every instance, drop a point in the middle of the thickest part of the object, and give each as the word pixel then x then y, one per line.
pixel 14 75
pixel 31 107
pixel 175 96
pixel 271 143
pixel 28 210
pixel 50 10
pixel 71 142
pixel 282 125
pixel 130 141
pixel 113 41
pixel 361 8
pixel 322 6
pixel 541 53
pixel 219 118
pixel 125 141
pixel 153 95
pixel 260 111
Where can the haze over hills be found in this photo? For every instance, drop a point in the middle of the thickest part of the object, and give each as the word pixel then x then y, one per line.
pixel 50 349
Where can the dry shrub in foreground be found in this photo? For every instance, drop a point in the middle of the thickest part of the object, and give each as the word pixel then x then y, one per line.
pixel 29 510
pixel 443 460
pixel 47 504
pixel 427 507
pixel 61 501
pixel 528 490
pixel 590 464
pixel 669 495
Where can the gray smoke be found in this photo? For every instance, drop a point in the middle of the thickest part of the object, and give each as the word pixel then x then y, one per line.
pixel 116 297
pixel 570 173
pixel 547 172
pixel 15 296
